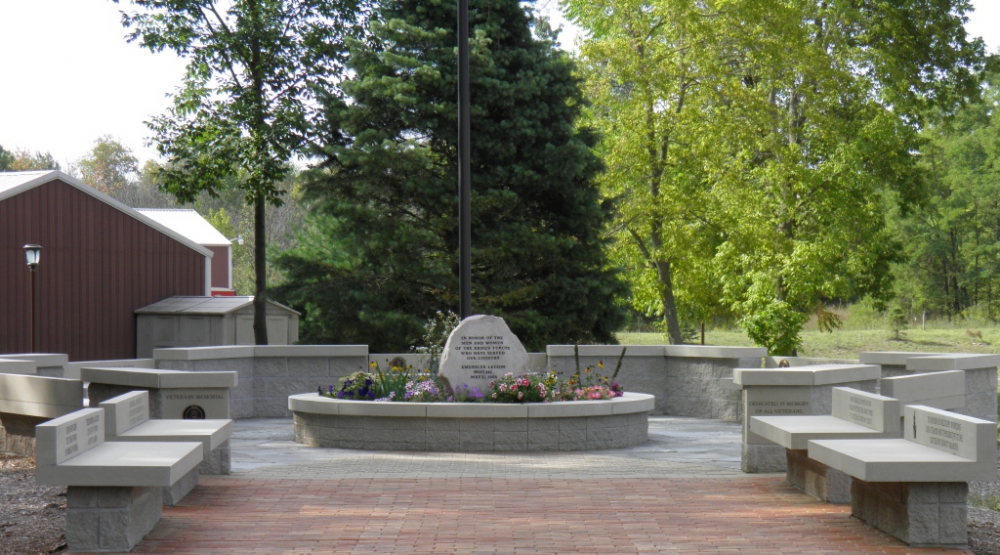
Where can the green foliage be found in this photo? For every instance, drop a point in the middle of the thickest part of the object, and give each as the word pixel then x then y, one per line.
pixel 379 254
pixel 25 160
pixel 359 386
pixel 111 168
pixel 437 329
pixel 897 319
pixel 391 383
pixel 248 96
pixel 952 239
pixel 751 145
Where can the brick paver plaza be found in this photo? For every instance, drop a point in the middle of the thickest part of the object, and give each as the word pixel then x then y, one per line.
pixel 680 493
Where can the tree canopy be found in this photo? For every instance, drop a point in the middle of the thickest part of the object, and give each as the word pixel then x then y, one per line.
pixel 751 144
pixel 379 256
pixel 248 96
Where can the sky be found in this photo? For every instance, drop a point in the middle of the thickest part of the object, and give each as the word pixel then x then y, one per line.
pixel 70 77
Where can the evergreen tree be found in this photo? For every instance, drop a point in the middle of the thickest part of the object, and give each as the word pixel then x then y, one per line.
pixel 380 254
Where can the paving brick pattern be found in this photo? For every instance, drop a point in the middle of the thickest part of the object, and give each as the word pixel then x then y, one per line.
pixel 503 516
pixel 681 493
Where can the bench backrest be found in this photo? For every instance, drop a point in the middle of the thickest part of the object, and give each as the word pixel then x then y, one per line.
pixel 39 396
pixel 124 412
pixel 967 437
pixel 943 390
pixel 872 411
pixel 63 438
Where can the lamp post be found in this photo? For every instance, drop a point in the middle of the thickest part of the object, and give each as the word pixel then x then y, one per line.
pixel 32 254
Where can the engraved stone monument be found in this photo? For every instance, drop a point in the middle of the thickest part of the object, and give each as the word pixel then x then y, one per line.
pixel 481 350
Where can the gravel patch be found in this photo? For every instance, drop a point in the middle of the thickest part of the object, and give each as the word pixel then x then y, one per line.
pixel 32 517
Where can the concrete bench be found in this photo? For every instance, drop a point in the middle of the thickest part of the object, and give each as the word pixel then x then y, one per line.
pixel 803 390
pixel 52 365
pixel 172 393
pixel 113 496
pixel 28 400
pixel 855 415
pixel 941 390
pixel 915 488
pixel 127 419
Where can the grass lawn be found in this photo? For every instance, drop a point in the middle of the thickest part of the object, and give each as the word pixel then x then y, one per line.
pixel 849 343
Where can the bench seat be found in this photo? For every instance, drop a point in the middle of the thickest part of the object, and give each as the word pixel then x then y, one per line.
pixel 796 432
pixel 128 420
pixel 144 464
pixel 915 488
pixel 855 415
pixel 212 433
pixel 896 460
pixel 114 490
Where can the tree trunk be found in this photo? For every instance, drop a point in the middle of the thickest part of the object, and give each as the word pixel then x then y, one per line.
pixel 260 275
pixel 669 306
pixel 260 236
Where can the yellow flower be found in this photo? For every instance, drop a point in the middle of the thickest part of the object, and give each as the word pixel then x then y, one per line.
pixel 600 364
pixel 372 365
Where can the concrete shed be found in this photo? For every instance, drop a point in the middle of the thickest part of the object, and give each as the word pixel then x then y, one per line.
pixel 209 321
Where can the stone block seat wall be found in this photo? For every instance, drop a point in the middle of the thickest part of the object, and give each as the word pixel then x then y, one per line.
pixel 461 427
pixel 51 365
pixel 687 380
pixel 173 394
pixel 268 375
pixel 29 400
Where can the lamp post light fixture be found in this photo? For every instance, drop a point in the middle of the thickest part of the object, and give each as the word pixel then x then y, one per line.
pixel 33 255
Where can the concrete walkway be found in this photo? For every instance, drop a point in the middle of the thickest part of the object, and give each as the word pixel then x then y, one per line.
pixel 682 492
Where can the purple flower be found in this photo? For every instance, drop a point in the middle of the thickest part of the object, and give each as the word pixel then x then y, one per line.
pixel 319 389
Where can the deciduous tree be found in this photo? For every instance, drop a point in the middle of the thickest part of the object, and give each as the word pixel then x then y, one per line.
pixel 247 97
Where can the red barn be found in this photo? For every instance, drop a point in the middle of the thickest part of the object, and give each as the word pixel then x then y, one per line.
pixel 100 261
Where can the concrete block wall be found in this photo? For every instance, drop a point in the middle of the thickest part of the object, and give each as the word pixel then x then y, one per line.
pixel 687 380
pixel 267 375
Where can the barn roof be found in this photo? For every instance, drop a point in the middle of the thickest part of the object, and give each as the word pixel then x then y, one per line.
pixel 188 223
pixel 203 305
pixel 15 183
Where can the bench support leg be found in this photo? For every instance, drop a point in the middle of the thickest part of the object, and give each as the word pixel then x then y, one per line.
pixel 816 479
pixel 173 495
pixel 919 513
pixel 17 434
pixel 110 518
pixel 217 462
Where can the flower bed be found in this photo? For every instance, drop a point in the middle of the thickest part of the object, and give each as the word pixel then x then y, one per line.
pixel 322 421
pixel 403 384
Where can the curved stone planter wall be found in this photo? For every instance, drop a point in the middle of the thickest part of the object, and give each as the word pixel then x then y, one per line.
pixel 465 427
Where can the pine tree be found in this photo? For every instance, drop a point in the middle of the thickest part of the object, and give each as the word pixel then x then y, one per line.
pixel 379 256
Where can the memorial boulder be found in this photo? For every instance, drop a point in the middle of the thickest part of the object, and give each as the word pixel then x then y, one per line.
pixel 481 350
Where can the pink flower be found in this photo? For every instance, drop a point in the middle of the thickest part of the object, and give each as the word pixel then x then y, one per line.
pixel 520 395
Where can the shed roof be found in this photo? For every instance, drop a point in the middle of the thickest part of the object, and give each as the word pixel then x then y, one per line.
pixel 204 305
pixel 188 223
pixel 15 183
